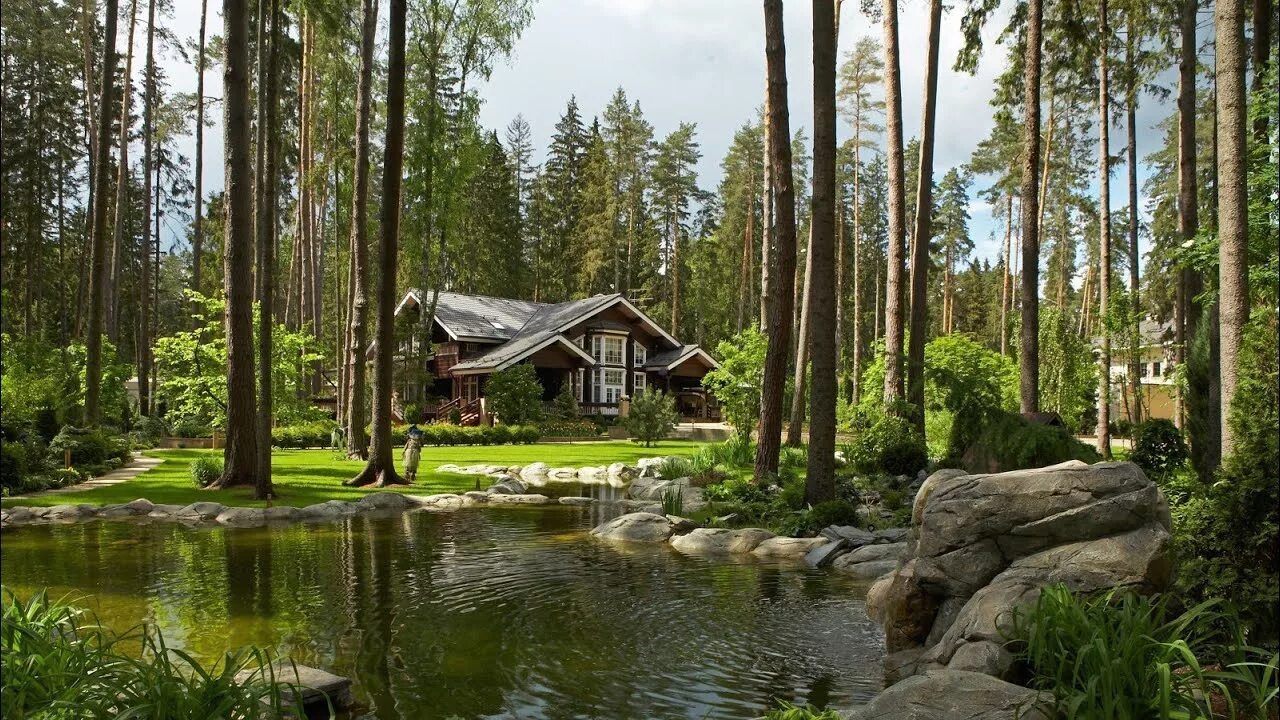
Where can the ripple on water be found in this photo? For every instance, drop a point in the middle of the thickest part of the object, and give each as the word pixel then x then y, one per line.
pixel 478 614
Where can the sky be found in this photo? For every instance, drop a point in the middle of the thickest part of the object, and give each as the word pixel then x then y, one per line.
pixel 702 61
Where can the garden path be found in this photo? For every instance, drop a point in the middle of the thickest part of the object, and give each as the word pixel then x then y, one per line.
pixel 136 467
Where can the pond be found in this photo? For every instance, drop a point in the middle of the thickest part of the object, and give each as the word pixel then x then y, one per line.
pixel 477 613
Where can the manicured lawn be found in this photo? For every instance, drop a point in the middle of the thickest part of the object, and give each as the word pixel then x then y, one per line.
pixel 304 477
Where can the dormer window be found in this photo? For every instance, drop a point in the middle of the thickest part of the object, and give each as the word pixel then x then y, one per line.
pixel 642 354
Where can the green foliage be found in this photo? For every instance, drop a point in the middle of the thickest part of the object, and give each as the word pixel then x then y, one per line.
pixel 971 382
pixel 891 445
pixel 1009 442
pixel 829 512
pixel 653 415
pixel 90 447
pixel 672 501
pixel 737 490
pixel 60 663
pixel 565 405
pixel 787 711
pixel 1068 375
pixel 515 395
pixel 1158 447
pixel 575 428
pixel 675 466
pixel 152 427
pixel 42 387
pixel 1120 655
pixel 443 434
pixel 192 367
pixel 303 435
pixel 737 382
pixel 205 470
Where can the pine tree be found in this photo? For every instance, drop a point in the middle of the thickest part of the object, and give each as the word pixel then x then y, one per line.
pixel 675 185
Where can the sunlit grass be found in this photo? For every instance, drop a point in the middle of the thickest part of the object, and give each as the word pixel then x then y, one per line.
pixel 304 477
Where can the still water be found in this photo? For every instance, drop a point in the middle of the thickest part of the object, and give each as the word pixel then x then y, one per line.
pixel 476 614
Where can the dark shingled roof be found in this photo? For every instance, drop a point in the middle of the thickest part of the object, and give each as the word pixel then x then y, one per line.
pixel 538 329
pixel 479 315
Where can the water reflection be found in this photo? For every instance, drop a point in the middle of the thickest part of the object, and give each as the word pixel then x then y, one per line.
pixel 479 614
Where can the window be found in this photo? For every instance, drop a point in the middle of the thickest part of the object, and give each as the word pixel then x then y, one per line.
pixel 1155 369
pixel 639 381
pixel 609 388
pixel 642 354
pixel 1142 370
pixel 608 350
pixel 470 387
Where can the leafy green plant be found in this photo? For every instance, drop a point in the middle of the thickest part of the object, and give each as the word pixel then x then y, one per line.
pixel 568 428
pixel 1158 447
pixel 737 490
pixel 1009 442
pixel 889 445
pixel 515 395
pixel 673 500
pixel 89 446
pixel 565 404
pixel 787 711
pixel 737 382
pixel 205 470
pixel 652 417
pixel 1122 655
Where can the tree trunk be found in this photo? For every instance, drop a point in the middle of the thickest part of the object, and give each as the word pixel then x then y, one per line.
pixel 240 456
pixel 1262 16
pixel 1006 276
pixel 748 256
pixel 1233 202
pixel 1189 280
pixel 197 219
pixel 1104 238
pixel 381 470
pixel 796 424
pixel 268 118
pixel 357 443
pixel 767 232
pixel 820 484
pixel 144 294
pixel 855 380
pixel 97 266
pixel 1029 358
pixel 893 329
pixel 88 20
pixel 1135 304
pixel 122 184
pixel 779 340
pixel 923 229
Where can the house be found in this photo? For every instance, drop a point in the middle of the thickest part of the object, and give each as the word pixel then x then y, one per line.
pixel 1157 388
pixel 603 346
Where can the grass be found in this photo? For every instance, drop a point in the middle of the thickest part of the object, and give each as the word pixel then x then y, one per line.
pixel 305 477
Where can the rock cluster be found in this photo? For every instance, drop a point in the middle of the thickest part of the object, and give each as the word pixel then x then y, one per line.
pixel 981 548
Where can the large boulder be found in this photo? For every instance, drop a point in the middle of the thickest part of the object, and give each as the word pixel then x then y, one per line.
pixel 242 517
pixel 518 499
pixel 636 527
pixel 508 486
pixel 534 470
pixel 200 511
pixel 954 695
pixel 385 501
pixel 982 546
pixel 720 541
pixel 328 510
pixel 788 548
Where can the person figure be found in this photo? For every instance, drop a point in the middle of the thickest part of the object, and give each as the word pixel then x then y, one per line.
pixel 412 452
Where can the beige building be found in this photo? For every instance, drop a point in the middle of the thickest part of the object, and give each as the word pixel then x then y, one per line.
pixel 1157 389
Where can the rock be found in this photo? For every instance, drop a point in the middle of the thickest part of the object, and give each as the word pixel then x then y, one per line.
pixel 162 511
pixel 648 506
pixel 278 513
pixel 636 527
pixel 445 499
pixel 982 546
pixel 475 497
pixel 198 511
pixel 523 499
pixel 787 548
pixel 534 470
pixel 563 473
pixel 509 486
pixel 328 510
pixel 318 691
pixel 867 570
pixel 514 470
pixel 824 555
pixel 112 511
pixel 141 506
pixel 719 541
pixel 953 694
pixel 449 468
pixel 385 501
pixel 242 517
pixel 681 525
pixel 619 470
pixel 576 500
pixel 854 536
pixel 653 489
pixel 592 473
pixel 891 535
pixel 67 513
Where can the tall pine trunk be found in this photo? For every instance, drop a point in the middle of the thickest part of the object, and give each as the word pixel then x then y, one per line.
pixel 356 442
pixel 800 374
pixel 781 285
pixel 1233 203
pixel 197 218
pixel 240 456
pixel 767 232
pixel 98 251
pixel 144 277
pixel 381 470
pixel 1135 304
pixel 122 184
pixel 855 378
pixel 1190 283
pixel 1104 237
pixel 1006 276
pixel 268 118
pixel 924 230
pixel 893 329
pixel 1029 357
pixel 820 483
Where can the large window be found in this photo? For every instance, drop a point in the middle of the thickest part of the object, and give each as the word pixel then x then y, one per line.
pixel 470 387
pixel 609 385
pixel 608 349
pixel 639 381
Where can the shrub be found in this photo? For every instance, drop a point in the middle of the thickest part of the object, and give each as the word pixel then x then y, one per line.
pixel 455 416
pixel 890 445
pixel 1158 447
pixel 787 711
pixel 674 467
pixel 565 405
pixel 191 429
pixel 652 417
pixel 672 501
pixel 1009 442
pixel 205 470
pixel 152 427
pixel 568 428
pixel 89 447
pixel 525 434
pixel 831 512
pixel 1121 655
pixel 737 490
pixel 515 394
pixel 737 382
pixel 303 435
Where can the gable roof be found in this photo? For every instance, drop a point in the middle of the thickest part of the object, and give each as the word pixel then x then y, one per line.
pixel 476 316
pixel 670 359
pixel 510 353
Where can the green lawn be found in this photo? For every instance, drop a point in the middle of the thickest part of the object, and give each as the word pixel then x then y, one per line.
pixel 304 477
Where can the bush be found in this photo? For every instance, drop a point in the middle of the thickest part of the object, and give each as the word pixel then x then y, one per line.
pixel 205 470
pixel 1158 448
pixel 1121 655
pixel 565 406
pixel 674 467
pixel 890 445
pixel 1009 442
pixel 568 428
pixel 739 490
pixel 515 394
pixel 653 415
pixel 89 447
pixel 830 512
pixel 787 711
pixel 152 427
pixel 303 435
pixel 737 382
pixel 191 429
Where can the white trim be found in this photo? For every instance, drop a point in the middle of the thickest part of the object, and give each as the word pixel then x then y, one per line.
pixel 553 339
pixel 695 351
pixel 452 335
pixel 640 314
